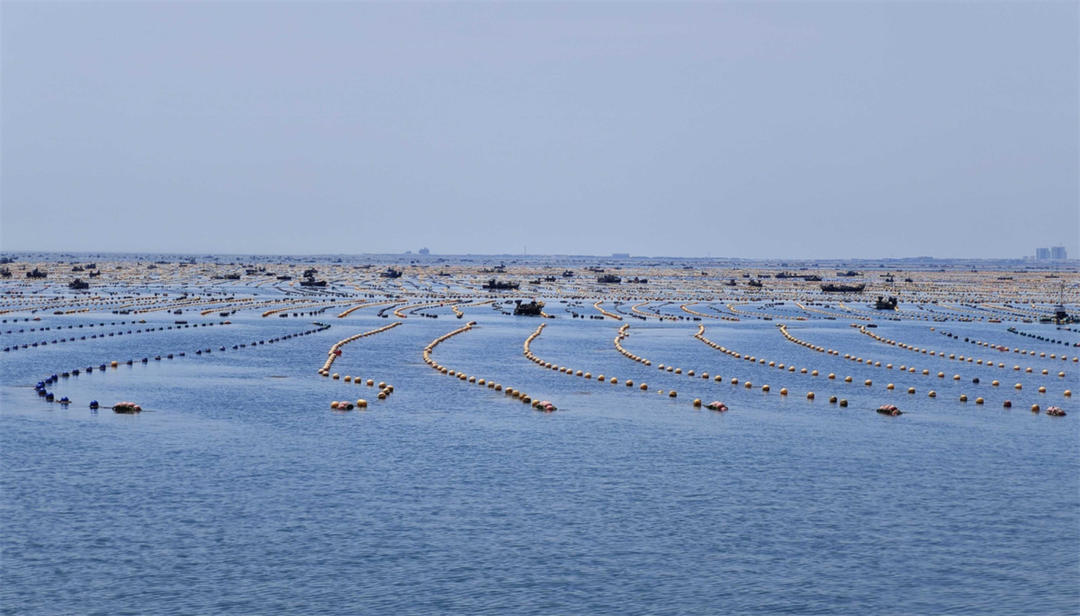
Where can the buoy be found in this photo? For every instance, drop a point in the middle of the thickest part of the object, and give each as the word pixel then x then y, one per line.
pixel 697 402
pixel 672 394
pixel 1007 404
pixel 1034 408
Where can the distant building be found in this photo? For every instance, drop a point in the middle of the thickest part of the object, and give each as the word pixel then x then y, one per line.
pixel 425 251
pixel 1058 253
pixel 1042 254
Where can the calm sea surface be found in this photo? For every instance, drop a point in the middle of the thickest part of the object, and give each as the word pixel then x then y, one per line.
pixel 240 491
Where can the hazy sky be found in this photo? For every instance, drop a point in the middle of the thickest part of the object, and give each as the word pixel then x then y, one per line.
pixel 862 129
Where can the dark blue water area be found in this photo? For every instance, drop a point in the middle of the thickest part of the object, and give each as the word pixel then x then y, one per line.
pixel 240 491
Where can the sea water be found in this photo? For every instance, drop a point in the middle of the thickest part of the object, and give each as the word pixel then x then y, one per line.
pixel 239 491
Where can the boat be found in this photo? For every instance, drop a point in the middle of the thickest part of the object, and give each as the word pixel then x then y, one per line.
pixel 36 273
pixel 528 309
pixel 568 274
pixel 391 273
pixel 834 287
pixel 755 283
pixel 609 279
pixel 311 282
pixel 885 304
pixel 500 285
pixel 78 284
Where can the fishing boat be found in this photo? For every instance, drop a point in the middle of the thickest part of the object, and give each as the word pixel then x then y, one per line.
pixel 500 285
pixel 885 304
pixel 528 309
pixel 834 287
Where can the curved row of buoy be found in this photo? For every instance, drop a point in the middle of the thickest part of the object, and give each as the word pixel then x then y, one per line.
pixel 54 341
pixel 610 315
pixel 72 326
pixel 904 368
pixel 540 405
pixel 1006 348
pixel 622 334
pixel 600 378
pixel 1013 330
pixel 950 356
pixel 335 349
pixel 353 309
pixel 301 306
pixel 48 396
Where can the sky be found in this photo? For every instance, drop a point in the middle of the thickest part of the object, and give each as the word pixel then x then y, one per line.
pixel 756 130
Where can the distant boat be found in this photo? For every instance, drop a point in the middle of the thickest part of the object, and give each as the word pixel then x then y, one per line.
pixel 528 309
pixel 36 274
pixel 500 285
pixel 78 284
pixel 609 279
pixel 833 287
pixel 391 273
pixel 885 304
